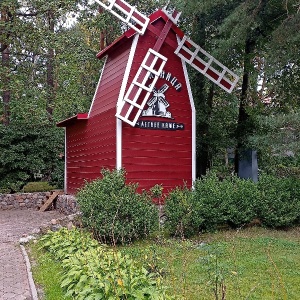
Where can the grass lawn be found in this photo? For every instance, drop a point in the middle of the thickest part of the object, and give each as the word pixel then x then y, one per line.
pixel 46 274
pixel 253 263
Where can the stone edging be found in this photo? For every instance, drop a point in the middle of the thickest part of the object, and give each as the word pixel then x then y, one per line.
pixel 66 204
pixel 33 290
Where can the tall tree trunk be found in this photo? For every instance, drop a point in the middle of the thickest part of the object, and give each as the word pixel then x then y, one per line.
pixel 203 104
pixel 6 95
pixel 204 153
pixel 106 37
pixel 103 32
pixel 5 58
pixel 243 126
pixel 50 71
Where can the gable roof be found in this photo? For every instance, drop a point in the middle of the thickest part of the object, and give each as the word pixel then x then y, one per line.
pixel 72 120
pixel 159 14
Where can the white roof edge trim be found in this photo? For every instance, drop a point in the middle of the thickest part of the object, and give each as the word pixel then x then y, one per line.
pixel 119 139
pixel 192 103
pixel 98 84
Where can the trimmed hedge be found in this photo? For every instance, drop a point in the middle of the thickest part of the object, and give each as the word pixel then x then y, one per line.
pixel 39 186
pixel 279 204
pixel 232 201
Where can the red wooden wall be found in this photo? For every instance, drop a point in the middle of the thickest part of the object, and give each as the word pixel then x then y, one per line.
pixel 91 143
pixel 149 156
pixel 153 156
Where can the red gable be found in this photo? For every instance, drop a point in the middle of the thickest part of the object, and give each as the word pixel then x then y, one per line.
pixel 129 33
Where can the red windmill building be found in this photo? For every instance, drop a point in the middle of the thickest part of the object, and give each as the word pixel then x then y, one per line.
pixel 142 117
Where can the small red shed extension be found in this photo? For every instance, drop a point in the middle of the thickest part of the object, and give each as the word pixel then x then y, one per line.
pixel 160 148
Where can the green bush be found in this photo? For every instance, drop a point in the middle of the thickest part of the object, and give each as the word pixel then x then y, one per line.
pixel 115 211
pixel 94 271
pixel 240 198
pixel 209 193
pixel 29 149
pixel 212 202
pixel 39 186
pixel 233 201
pixel 181 212
pixel 64 242
pixel 279 204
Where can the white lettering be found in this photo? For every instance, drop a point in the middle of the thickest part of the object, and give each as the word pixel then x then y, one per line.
pixel 178 87
pixel 173 81
pixel 168 77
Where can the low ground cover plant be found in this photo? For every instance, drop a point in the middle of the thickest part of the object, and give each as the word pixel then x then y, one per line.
pixel 253 263
pixel 95 271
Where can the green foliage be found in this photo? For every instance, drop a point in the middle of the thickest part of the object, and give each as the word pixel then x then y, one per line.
pixel 212 203
pixel 114 211
pixel 217 270
pixel 232 201
pixel 288 171
pixel 26 150
pixel 210 193
pixel 240 199
pixel 94 271
pixel 64 242
pixel 253 263
pixel 181 210
pixel 279 204
pixel 277 134
pixel 38 186
pixel 46 273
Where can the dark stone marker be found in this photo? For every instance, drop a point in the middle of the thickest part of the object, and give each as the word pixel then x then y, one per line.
pixel 248 167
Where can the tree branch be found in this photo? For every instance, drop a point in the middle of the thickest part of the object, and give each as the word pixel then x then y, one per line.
pixel 3 47
pixel 27 14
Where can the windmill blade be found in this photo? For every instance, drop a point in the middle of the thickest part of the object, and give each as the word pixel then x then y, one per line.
pixel 152 101
pixel 163 89
pixel 126 13
pixel 141 87
pixel 163 101
pixel 206 64
pixel 174 17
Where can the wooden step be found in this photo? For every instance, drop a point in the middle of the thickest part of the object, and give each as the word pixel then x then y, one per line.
pixel 50 200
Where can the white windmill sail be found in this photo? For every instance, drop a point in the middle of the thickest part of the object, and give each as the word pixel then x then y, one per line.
pixel 206 64
pixel 141 87
pixel 153 63
pixel 126 13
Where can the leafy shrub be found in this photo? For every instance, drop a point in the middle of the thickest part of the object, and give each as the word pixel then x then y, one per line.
pixel 39 186
pixel 287 171
pixel 181 212
pixel 211 203
pixel 240 198
pixel 29 149
pixel 279 204
pixel 209 193
pixel 64 242
pixel 115 211
pixel 94 271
